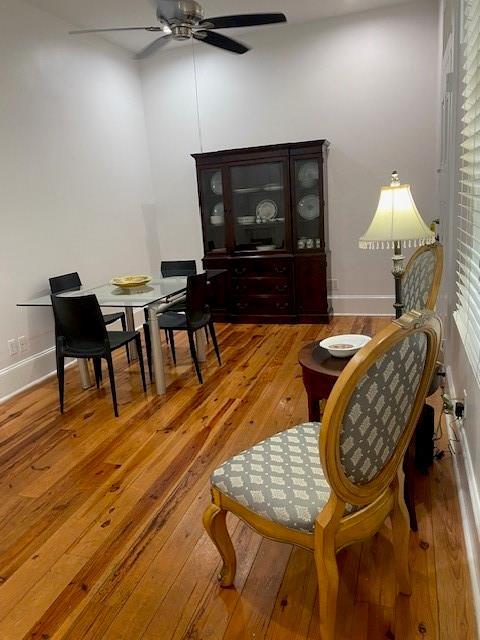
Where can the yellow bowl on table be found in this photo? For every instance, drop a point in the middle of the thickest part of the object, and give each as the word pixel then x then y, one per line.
pixel 130 282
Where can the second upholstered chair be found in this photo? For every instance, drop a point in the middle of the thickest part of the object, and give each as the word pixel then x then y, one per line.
pixel 326 486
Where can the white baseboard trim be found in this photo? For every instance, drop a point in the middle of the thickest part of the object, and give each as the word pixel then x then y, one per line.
pixel 469 500
pixel 362 305
pixel 36 368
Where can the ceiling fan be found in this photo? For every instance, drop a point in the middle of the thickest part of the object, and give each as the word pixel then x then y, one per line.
pixel 184 19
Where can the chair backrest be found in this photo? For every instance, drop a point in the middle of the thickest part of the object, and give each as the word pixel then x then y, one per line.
pixel 79 321
pixel 66 282
pixel 196 299
pixel 372 411
pixel 178 268
pixel 421 281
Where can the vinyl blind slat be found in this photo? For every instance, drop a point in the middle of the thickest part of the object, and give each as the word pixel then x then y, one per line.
pixel 467 315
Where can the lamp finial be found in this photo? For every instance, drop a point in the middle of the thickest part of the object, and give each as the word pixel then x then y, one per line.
pixel 395 179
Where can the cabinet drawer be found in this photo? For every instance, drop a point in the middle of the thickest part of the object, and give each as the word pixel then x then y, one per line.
pixel 263 305
pixel 262 286
pixel 262 267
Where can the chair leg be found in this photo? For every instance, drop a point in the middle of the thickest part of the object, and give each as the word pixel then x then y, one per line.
pixel 166 335
pixel 112 383
pixel 124 327
pixel 206 333
pixel 401 537
pixel 172 345
pixel 193 351
pixel 409 484
pixel 97 367
pixel 61 380
pixel 138 342
pixel 148 347
pixel 211 326
pixel 216 527
pixel 328 579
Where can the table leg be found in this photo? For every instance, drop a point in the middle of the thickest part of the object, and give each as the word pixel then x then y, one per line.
pixel 132 350
pixel 157 355
pixel 201 345
pixel 84 373
pixel 313 408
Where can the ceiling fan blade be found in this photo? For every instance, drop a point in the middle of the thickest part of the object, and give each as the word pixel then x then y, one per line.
pixel 80 31
pixel 152 47
pixel 217 40
pixel 245 20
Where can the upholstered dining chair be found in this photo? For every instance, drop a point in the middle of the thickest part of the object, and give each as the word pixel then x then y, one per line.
pixel 422 278
pixel 324 487
pixel 420 287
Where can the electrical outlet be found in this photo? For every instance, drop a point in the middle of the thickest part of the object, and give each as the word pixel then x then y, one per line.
pixel 23 343
pixel 13 347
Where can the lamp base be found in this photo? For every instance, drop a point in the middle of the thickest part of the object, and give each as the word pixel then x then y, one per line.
pixel 398 271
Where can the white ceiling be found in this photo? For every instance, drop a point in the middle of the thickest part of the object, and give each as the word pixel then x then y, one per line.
pixel 127 13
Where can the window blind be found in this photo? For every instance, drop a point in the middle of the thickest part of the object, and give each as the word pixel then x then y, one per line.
pixel 467 313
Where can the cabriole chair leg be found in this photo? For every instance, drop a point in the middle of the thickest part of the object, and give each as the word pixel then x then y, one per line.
pixel 216 527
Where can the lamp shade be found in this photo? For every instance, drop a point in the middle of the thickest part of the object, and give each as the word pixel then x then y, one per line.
pixel 396 220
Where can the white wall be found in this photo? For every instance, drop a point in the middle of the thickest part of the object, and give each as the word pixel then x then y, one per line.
pixel 74 173
pixel 367 82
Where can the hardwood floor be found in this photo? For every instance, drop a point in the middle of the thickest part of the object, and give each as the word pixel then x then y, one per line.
pixel 100 518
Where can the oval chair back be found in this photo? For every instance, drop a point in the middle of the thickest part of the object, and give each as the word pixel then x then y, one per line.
pixel 79 322
pixel 422 277
pixel 372 411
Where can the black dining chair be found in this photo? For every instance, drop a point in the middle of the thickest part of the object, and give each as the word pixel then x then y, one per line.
pixel 170 269
pixel 197 316
pixel 72 282
pixel 81 333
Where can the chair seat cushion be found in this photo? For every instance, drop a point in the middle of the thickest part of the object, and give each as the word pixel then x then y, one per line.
pixel 280 478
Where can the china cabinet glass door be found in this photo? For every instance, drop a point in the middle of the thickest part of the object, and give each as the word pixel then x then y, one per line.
pixel 307 205
pixel 213 211
pixel 258 206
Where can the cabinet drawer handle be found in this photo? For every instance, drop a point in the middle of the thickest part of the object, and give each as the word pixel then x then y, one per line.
pixel 240 270
pixel 282 269
pixel 281 287
pixel 282 305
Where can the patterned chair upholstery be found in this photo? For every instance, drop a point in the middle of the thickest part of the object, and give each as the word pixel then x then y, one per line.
pixel 418 280
pixel 282 479
pixel 379 409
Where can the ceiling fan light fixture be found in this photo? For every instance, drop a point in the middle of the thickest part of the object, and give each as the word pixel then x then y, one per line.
pixel 184 19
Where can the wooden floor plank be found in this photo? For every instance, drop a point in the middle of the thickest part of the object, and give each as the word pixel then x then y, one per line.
pixel 100 518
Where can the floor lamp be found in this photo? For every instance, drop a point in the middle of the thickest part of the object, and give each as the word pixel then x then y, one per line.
pixel 396 221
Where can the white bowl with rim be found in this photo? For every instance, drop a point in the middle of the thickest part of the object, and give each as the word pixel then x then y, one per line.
pixel 346 345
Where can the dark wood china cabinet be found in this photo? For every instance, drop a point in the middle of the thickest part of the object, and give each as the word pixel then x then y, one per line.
pixel 264 220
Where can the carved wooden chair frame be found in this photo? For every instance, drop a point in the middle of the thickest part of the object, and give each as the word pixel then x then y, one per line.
pixel 437 249
pixel 378 499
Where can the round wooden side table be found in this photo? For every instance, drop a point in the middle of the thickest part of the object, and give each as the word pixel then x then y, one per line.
pixel 320 372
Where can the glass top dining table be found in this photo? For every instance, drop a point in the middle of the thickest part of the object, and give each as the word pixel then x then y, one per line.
pixel 109 295
pixel 156 296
